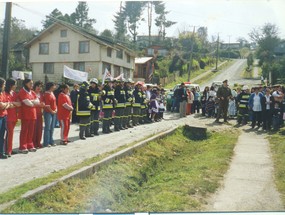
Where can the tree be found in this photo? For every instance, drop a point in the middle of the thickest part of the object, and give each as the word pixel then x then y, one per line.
pixel 161 22
pixel 120 25
pixel 267 39
pixel 81 16
pixel 53 17
pixel 107 34
pixel 133 12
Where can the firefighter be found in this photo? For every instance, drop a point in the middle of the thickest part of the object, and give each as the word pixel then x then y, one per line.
pixel 107 105
pixel 144 105
pixel 129 103
pixel 83 108
pixel 137 103
pixel 120 105
pixel 95 97
pixel 242 101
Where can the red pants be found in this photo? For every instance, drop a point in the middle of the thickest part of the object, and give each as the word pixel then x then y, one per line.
pixel 38 131
pixel 27 134
pixel 10 134
pixel 64 129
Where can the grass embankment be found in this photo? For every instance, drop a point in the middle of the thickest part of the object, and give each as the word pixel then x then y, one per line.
pixel 277 145
pixel 199 72
pixel 171 174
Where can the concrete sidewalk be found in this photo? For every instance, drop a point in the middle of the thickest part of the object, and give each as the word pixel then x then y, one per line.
pixel 249 183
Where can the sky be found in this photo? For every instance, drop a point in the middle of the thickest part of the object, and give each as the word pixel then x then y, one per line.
pixel 230 19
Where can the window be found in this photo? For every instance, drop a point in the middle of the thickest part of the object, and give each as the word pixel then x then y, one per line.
pixel 63 33
pixel 106 66
pixel 128 58
pixel 79 66
pixel 119 53
pixel 48 68
pixel 64 48
pixel 44 48
pixel 83 46
pixel 109 52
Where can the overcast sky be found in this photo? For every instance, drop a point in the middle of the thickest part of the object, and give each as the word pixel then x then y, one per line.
pixel 230 18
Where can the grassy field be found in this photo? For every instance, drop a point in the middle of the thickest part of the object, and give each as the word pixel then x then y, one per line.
pixel 277 145
pixel 171 174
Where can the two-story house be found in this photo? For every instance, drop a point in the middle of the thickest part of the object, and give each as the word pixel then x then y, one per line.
pixel 64 44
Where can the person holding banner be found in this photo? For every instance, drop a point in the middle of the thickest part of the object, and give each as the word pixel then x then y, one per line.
pixel 95 97
pixel 107 104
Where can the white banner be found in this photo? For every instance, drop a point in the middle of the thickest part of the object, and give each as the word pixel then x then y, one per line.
pixel 75 75
pixel 107 74
pixel 22 75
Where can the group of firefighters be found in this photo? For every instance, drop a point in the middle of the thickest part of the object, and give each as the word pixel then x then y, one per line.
pixel 128 101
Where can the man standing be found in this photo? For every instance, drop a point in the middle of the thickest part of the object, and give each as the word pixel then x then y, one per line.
pixel 129 102
pixel 95 94
pixel 182 96
pixel 107 105
pixel 223 94
pixel 73 97
pixel 83 111
pixel 120 98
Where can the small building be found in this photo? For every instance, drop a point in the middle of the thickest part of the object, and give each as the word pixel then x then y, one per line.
pixel 65 44
pixel 144 69
pixel 156 50
pixel 279 50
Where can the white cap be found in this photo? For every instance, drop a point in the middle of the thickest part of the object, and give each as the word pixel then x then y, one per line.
pixel 245 87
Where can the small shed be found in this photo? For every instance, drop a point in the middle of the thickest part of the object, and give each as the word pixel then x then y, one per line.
pixel 144 68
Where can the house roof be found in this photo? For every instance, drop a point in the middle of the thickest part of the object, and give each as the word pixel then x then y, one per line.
pixel 142 60
pixel 101 40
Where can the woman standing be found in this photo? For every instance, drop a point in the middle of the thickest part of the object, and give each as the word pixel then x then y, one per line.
pixel 49 114
pixel 64 112
pixel 38 87
pixel 255 104
pixel 28 115
pixel 12 117
pixel 267 103
pixel 190 99
pixel 4 105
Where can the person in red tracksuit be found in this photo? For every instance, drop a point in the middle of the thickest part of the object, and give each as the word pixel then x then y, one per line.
pixel 64 112
pixel 28 115
pixel 4 105
pixel 38 87
pixel 12 116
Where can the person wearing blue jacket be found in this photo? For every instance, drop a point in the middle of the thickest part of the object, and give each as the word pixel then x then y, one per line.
pixel 255 104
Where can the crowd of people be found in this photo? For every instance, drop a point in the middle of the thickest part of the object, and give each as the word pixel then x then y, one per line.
pixel 262 106
pixel 121 103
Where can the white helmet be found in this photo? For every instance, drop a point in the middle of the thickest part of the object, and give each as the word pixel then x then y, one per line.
pixel 94 80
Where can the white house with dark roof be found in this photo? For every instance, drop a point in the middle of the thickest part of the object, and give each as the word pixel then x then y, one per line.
pixel 64 44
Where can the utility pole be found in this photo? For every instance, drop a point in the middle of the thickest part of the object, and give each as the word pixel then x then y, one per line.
pixel 6 41
pixel 217 54
pixel 149 11
pixel 191 54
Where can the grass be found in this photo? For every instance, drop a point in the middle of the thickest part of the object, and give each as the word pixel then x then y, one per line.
pixel 248 74
pixel 16 192
pixel 193 74
pixel 171 174
pixel 277 146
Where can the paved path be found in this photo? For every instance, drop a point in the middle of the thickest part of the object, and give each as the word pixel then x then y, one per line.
pixel 249 183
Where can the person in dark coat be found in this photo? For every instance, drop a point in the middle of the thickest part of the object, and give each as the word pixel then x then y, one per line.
pixel 73 97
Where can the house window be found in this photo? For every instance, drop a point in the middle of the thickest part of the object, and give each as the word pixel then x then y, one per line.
pixel 83 46
pixel 119 53
pixel 128 58
pixel 79 66
pixel 63 33
pixel 106 66
pixel 109 52
pixel 48 68
pixel 64 48
pixel 44 48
